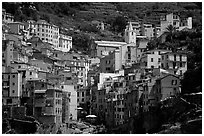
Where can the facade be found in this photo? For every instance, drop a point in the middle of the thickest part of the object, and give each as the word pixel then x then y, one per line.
pixel 48 106
pixel 7 52
pixel 167 86
pixel 11 88
pixel 141 46
pixel 48 32
pixel 108 64
pixel 117 59
pixel 152 58
pixel 65 43
pixel 144 29
pixel 72 101
pixel 104 47
pixel 30 26
pixel 65 106
pixel 17 28
pixel 175 63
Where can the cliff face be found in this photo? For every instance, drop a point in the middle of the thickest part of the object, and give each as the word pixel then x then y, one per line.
pixel 173 116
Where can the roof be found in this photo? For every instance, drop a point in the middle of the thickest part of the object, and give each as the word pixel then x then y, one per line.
pixel 110 43
pixel 40 91
pixel 167 76
pixel 174 53
pixel 16 23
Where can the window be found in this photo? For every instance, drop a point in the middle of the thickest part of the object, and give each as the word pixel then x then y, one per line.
pixel 30 73
pixel 174 82
pixel 159 53
pixel 181 72
pixel 82 100
pixel 13 91
pixel 180 57
pixel 129 56
pixel 77 94
pixel 129 48
pixel 13 76
pixel 181 64
pixel 82 94
pixel 152 59
pixel 107 68
pixel 152 66
pixel 107 61
pixel 167 56
pixel 13 84
pixel 159 59
pixel 68 78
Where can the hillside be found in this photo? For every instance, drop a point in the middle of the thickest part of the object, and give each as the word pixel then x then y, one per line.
pixel 82 18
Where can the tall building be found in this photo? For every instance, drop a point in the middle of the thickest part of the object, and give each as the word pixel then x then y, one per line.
pixel 65 106
pixel 48 106
pixel 130 34
pixel 11 88
pixel 48 32
pixel 72 100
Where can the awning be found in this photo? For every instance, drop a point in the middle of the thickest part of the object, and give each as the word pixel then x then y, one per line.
pixel 91 116
pixel 79 108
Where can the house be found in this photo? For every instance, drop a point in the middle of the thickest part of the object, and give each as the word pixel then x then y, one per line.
pixel 48 106
pixel 175 21
pixel 174 62
pixel 7 17
pixel 47 32
pixel 104 47
pixel 17 28
pixel 65 42
pixel 152 58
pixel 7 52
pixel 166 86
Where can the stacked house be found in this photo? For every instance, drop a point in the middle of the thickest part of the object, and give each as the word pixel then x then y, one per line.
pixel 120 81
pixel 40 72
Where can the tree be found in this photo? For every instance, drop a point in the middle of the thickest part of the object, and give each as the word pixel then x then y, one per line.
pixel 192 82
pixel 81 42
pixel 119 24
pixel 170 30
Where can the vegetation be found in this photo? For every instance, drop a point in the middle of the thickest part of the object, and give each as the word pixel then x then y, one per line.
pixel 81 28
pixel 191 42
